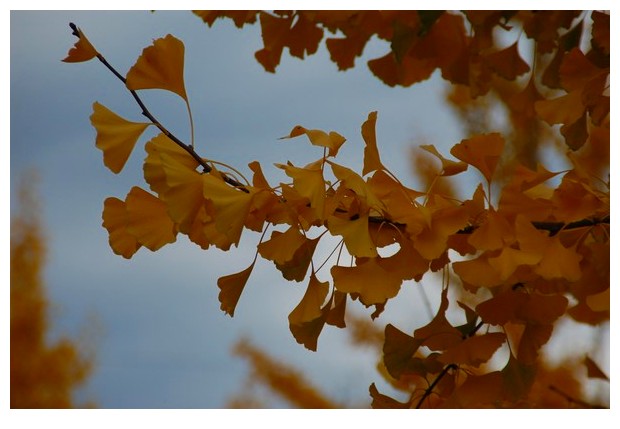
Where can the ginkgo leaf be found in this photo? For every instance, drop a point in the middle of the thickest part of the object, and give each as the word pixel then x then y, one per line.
pixel 231 286
pixel 372 161
pixel 482 151
pixel 369 279
pixel 148 220
pixel 559 262
pixel 116 136
pixel 398 351
pixel 154 172
pixel 115 221
pixel 439 334
pixel 82 50
pixel 507 63
pixel 333 141
pixel 338 306
pixel 599 301
pixel 160 66
pixel 304 36
pixel 494 233
pixel 307 319
pixel 448 167
pixel 475 350
pixel 343 51
pixel 232 206
pixel 383 401
pixel 533 338
pixel 355 233
pixel 566 109
pixel 309 182
pixel 281 247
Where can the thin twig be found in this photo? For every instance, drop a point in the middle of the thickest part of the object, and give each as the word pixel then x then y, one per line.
pixel 441 375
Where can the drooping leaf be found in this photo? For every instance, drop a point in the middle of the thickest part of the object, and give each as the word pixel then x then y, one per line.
pixel 482 151
pixel 115 222
pixel 439 334
pixel 297 267
pixel 82 50
pixel 154 172
pixel 398 351
pixel 309 182
pixel 160 66
pixel 116 136
pixel 231 286
pixel 307 319
pixel 148 220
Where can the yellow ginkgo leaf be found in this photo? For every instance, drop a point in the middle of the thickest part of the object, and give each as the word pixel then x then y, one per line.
pixel 372 160
pixel 332 141
pixel 148 220
pixel 82 49
pixel 154 173
pixel 373 283
pixel 281 247
pixel 231 287
pixel 355 234
pixel 307 319
pixel 115 221
pixel 160 67
pixel 356 183
pixel 231 205
pixel 309 182
pixel 482 151
pixel 116 136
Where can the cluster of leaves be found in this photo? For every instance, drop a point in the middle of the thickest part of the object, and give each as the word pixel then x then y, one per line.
pixel 529 252
pixel 43 375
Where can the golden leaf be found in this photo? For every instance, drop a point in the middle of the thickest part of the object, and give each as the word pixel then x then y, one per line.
pixel 116 137
pixel 333 141
pixel 372 161
pixel 369 279
pixel 448 167
pixel 160 67
pixel 307 319
pixel 154 173
pixel 148 220
pixel 482 151
pixel 474 350
pixel 115 221
pixel 82 49
pixel 355 234
pixel 309 182
pixel 231 287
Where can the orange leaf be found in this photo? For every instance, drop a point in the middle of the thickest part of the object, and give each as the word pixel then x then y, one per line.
pixel 332 141
pixel 559 262
pixel 160 67
pixel 148 220
pixel 304 37
pixel 309 182
pixel 232 206
pixel 306 321
pixel 493 234
pixel 599 301
pixel 154 173
pixel 355 234
pixel 281 247
pixel 116 137
pixel 476 273
pixel 439 334
pixel 507 63
pixel 369 279
pixel 482 151
pixel 82 49
pixel 231 287
pixel 448 167
pixel 562 110
pixel 372 160
pixel 115 221
pixel 343 51
pixel 475 350
pixel 398 351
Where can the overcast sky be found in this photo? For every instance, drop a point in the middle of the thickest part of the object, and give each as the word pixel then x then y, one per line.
pixel 154 322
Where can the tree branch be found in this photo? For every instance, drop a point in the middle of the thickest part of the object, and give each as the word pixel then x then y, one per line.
pixel 145 112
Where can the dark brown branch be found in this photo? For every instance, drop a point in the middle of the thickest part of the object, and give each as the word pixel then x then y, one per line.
pixel 441 375
pixel 145 112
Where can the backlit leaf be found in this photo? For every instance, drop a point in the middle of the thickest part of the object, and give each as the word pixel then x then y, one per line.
pixel 231 287
pixel 160 66
pixel 482 151
pixel 355 234
pixel 507 63
pixel 565 109
pixel 116 136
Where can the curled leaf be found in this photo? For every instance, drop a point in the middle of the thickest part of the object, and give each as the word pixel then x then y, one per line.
pixel 332 141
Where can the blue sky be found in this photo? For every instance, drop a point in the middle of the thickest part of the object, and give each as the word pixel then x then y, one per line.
pixel 154 322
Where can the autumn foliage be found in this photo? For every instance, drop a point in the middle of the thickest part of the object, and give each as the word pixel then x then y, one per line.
pixel 43 374
pixel 526 248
